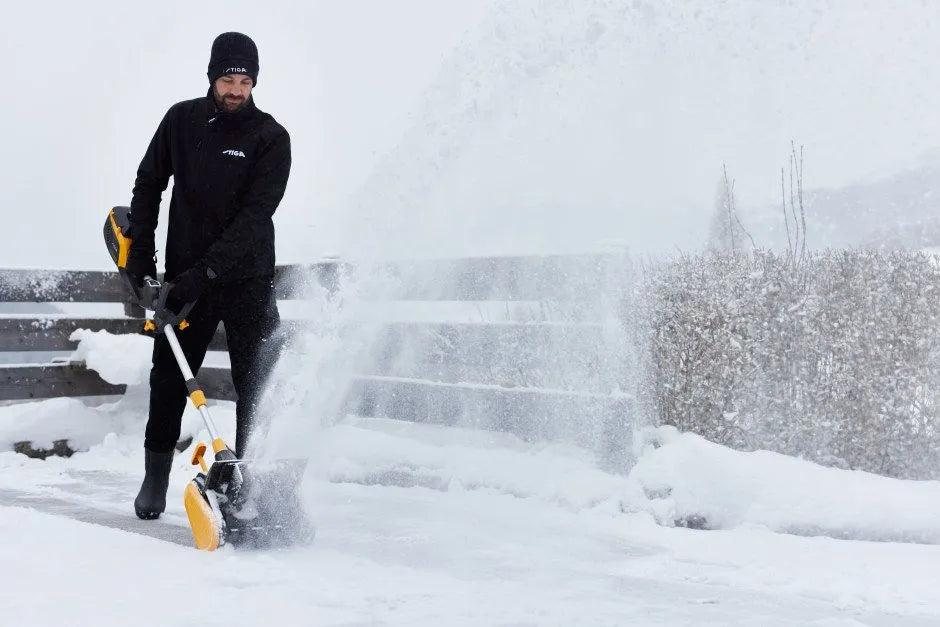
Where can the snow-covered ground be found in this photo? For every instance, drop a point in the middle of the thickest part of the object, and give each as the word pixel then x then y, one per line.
pixel 419 524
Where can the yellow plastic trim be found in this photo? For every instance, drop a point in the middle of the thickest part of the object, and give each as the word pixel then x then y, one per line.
pixel 198 398
pixel 124 243
pixel 202 519
pixel 218 445
pixel 199 455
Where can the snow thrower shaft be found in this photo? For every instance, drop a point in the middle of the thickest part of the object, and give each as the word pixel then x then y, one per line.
pixel 196 395
pixel 152 294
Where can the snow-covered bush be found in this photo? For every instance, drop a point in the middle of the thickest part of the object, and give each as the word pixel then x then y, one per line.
pixel 834 358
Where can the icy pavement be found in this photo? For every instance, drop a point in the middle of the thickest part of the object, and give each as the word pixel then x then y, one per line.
pixel 423 525
pixel 397 556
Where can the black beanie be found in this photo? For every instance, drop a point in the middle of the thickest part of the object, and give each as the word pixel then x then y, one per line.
pixel 233 53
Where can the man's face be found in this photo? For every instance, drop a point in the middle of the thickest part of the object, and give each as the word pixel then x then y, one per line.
pixel 232 91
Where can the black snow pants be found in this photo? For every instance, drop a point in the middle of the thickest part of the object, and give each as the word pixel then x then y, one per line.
pixel 248 310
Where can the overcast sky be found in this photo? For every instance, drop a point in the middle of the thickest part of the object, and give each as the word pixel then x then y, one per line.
pixel 425 127
pixel 567 124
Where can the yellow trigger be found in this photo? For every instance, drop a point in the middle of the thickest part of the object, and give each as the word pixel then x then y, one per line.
pixel 199 456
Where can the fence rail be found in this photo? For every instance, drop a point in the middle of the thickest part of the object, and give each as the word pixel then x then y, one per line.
pixel 564 277
pixel 53 381
pixel 479 375
pixel 103 286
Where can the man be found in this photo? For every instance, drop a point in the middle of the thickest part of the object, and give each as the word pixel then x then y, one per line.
pixel 230 163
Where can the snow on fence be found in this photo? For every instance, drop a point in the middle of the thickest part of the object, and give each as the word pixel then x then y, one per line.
pixel 538 378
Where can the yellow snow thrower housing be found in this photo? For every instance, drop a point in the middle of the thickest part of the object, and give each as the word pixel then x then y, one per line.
pixel 204 522
pixel 116 227
pixel 119 245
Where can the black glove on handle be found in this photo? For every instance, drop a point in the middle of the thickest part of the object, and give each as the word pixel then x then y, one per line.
pixel 141 262
pixel 188 287
pixel 155 296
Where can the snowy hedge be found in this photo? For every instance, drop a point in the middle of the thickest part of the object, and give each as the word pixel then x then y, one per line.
pixel 834 358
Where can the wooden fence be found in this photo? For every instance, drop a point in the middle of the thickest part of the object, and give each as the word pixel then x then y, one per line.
pixel 493 375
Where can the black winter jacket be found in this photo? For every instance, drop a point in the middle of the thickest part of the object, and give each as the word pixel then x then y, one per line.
pixel 230 171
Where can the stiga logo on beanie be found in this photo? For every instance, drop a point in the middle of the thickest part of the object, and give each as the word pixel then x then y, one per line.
pixel 233 53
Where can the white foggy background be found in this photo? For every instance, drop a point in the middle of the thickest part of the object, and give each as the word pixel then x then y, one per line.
pixel 426 128
pixel 86 86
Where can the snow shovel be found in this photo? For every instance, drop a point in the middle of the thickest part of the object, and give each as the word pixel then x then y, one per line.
pixel 231 501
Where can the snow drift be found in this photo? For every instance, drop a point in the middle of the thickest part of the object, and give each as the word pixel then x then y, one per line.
pixel 116 358
pixel 683 479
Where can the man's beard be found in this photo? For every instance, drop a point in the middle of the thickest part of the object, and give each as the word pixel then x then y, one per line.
pixel 229 104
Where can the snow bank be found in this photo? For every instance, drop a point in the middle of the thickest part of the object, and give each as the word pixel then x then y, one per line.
pixel 680 479
pixel 683 479
pixel 44 422
pixel 389 452
pixel 116 358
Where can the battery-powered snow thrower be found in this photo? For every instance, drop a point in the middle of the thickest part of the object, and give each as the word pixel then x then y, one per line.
pixel 231 501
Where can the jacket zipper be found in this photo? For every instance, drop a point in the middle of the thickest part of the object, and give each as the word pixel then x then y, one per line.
pixel 201 159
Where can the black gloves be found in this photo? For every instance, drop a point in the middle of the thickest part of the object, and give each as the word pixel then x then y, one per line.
pixel 188 287
pixel 141 262
pixel 142 258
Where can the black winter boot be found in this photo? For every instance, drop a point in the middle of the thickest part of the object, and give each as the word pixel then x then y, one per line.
pixel 151 500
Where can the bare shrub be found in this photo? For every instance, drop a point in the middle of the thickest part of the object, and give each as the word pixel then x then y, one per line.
pixel 834 358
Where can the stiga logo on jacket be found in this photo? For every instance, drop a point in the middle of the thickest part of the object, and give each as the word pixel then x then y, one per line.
pixel 238 168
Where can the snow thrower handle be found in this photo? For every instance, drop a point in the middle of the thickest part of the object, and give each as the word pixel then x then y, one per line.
pixel 153 296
